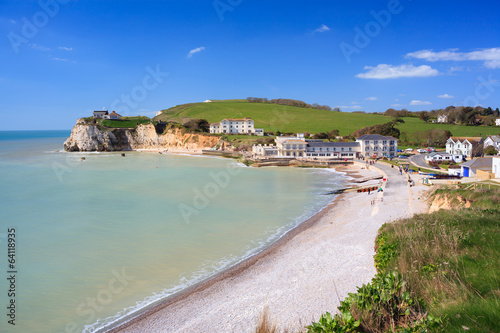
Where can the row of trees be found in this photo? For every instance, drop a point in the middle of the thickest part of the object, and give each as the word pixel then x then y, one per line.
pixel 387 129
pixel 464 115
pixel 291 102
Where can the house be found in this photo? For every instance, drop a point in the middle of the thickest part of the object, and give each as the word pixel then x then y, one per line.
pixel 497 122
pixel 235 126
pixel 291 146
pixel 264 151
pixel 443 157
pixel 465 146
pixel 100 114
pixel 442 119
pixel 113 116
pixel 337 150
pixel 477 167
pixel 495 167
pixel 493 140
pixel 376 145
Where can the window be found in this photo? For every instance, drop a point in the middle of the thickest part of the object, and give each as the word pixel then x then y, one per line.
pixel 392 142
pixel 375 142
pixel 384 142
pixel 375 149
pixel 367 148
pixel 350 149
pixel 367 142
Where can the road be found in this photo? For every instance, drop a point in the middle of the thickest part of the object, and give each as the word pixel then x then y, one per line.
pixel 419 161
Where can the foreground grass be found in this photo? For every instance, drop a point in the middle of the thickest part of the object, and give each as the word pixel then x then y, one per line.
pixel 125 122
pixel 450 260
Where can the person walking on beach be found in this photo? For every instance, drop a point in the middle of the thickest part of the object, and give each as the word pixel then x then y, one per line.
pixel 369 190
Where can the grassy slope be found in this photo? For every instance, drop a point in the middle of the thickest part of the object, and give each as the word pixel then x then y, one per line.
pixel 451 259
pixel 274 117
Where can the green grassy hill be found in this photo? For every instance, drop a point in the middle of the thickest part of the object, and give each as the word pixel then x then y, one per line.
pixel 273 117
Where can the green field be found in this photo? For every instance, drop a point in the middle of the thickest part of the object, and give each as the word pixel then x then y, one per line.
pixel 273 117
pixel 125 122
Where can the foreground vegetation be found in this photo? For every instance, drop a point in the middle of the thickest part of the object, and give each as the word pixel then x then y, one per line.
pixel 436 273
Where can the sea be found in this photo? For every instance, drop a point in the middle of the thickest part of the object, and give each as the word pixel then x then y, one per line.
pixel 99 236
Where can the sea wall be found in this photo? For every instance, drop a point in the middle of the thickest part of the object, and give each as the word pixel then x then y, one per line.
pixel 89 137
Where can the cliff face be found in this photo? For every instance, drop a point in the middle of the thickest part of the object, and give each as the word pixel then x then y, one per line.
pixel 90 138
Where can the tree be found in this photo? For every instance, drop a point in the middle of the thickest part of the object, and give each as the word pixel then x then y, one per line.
pixel 198 125
pixel 424 115
pixel 490 150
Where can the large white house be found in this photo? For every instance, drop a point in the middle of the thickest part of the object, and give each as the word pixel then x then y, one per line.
pixel 493 140
pixel 497 122
pixel 442 119
pixel 376 145
pixel 291 146
pixel 465 146
pixel 236 126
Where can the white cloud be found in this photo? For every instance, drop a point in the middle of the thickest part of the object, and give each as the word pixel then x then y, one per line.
pixel 196 50
pixel 384 71
pixel 446 96
pixel 65 48
pixel 417 102
pixel 396 105
pixel 491 57
pixel 323 28
pixel 372 98
pixel 12 21
pixel 60 59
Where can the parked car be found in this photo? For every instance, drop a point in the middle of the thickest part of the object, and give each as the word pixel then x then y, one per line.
pixel 431 150
pixel 421 151
pixel 400 150
pixel 402 156
pixel 409 150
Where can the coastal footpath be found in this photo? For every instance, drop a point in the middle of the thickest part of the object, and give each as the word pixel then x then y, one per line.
pixel 299 277
pixel 91 137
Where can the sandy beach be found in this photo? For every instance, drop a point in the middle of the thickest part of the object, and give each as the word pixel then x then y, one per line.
pixel 304 274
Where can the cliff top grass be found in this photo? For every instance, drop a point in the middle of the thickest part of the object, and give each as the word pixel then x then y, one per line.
pixel 436 272
pixel 451 259
pixel 283 118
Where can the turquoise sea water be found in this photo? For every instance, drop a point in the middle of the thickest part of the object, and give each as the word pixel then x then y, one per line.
pixel 102 237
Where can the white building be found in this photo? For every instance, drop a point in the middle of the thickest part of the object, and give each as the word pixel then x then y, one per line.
pixel 443 157
pixel 442 119
pixel 236 126
pixel 465 146
pixel 298 147
pixel 291 146
pixel 472 167
pixel 113 116
pixel 376 145
pixel 493 140
pixel 496 167
pixel 264 151
pixel 100 114
pixel 497 122
pixel 336 150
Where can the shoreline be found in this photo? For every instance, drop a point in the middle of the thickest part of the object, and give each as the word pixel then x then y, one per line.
pixel 267 254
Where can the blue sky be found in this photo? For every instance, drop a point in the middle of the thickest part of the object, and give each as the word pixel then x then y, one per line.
pixel 61 59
